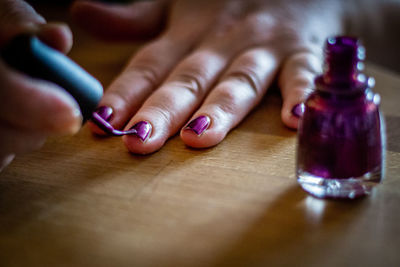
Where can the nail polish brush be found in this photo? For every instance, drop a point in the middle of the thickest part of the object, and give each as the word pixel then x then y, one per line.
pixel 26 53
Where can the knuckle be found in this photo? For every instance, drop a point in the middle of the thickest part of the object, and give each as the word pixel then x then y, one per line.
pixel 194 83
pixel 146 71
pixel 119 96
pixel 164 114
pixel 226 111
pixel 260 24
pixel 300 81
pixel 305 60
pixel 246 76
pixel 228 101
pixel 300 68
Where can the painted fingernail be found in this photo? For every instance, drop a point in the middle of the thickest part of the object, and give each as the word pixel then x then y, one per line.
pixel 298 110
pixel 143 130
pixel 105 112
pixel 199 125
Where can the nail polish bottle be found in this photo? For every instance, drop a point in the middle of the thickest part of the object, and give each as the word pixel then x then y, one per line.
pixel 341 137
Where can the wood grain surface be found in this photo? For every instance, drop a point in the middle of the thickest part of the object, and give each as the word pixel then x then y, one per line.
pixel 86 201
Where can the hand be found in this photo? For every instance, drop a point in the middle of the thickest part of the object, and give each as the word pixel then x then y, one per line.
pixel 212 64
pixel 31 109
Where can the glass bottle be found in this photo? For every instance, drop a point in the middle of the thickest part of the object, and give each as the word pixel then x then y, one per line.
pixel 340 150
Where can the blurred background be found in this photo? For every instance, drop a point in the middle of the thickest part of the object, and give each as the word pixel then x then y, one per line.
pixel 384 53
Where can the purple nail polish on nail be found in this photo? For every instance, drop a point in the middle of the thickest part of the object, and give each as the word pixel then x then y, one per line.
pixel 199 125
pixel 143 129
pixel 105 112
pixel 103 115
pixel 298 110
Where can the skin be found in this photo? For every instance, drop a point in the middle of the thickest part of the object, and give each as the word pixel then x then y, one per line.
pixel 213 58
pixel 221 66
pixel 24 125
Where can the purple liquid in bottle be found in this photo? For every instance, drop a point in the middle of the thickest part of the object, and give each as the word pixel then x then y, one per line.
pixel 340 139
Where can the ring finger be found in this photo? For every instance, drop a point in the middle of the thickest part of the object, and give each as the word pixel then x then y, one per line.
pixel 241 88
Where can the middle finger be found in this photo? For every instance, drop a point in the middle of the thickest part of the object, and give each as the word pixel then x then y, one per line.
pixel 170 106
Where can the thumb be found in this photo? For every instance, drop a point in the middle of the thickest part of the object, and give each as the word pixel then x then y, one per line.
pixel 17 16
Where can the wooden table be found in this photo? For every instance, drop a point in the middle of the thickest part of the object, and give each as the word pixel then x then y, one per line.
pixel 85 201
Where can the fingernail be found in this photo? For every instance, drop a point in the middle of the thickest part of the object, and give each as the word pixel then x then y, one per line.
pixel 66 122
pixel 78 121
pixel 105 112
pixel 198 125
pixel 298 110
pixel 143 130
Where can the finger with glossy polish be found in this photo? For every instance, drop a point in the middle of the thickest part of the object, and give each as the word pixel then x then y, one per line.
pixel 146 71
pixel 133 21
pixel 240 90
pixel 296 81
pixel 168 109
